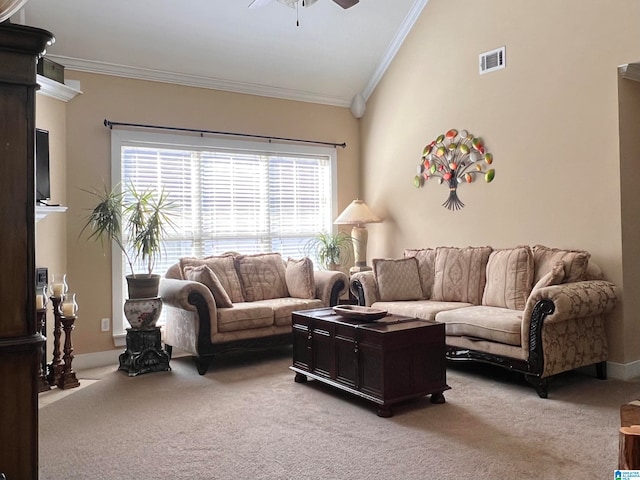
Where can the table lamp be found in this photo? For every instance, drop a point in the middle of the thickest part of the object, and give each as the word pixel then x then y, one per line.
pixel 358 214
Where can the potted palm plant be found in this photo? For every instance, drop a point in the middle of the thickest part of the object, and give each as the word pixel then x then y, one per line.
pixel 136 221
pixel 331 249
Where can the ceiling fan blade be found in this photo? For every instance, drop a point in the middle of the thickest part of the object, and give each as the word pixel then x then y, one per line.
pixel 346 3
pixel 259 3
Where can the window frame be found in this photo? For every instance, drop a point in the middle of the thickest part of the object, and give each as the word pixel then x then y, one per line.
pixel 125 137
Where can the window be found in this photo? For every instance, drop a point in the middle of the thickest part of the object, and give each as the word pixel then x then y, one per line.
pixel 247 197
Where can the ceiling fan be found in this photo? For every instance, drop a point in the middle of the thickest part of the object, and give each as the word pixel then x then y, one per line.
pixel 305 3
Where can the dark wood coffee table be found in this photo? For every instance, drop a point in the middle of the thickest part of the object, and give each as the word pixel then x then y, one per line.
pixel 387 361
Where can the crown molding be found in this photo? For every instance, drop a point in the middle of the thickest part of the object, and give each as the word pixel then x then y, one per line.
pixel 103 68
pixel 394 46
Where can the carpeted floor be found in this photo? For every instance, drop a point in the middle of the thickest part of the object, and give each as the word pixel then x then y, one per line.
pixel 247 419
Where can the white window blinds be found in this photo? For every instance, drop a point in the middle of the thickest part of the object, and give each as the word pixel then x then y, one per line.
pixel 230 196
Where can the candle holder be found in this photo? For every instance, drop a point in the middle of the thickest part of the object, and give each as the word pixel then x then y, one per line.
pixel 69 306
pixel 58 286
pixel 56 367
pixel 41 318
pixel 67 378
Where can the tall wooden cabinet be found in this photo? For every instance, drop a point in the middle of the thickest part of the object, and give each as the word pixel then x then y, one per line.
pixel 20 344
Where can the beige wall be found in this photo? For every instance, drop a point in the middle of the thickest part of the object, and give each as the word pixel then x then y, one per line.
pixel 51 232
pixel 550 119
pixel 136 101
pixel 629 107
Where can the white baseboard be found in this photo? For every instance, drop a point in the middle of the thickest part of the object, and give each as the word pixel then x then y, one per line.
pixel 86 361
pixel 619 371
pixel 623 371
pixel 104 359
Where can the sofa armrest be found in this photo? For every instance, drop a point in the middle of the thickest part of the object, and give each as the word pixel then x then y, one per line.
pixel 577 299
pixel 191 319
pixel 183 294
pixel 565 302
pixel 364 287
pixel 330 285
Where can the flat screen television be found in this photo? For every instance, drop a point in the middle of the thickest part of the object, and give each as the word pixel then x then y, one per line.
pixel 43 186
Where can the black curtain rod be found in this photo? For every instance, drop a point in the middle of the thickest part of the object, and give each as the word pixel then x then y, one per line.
pixel 110 124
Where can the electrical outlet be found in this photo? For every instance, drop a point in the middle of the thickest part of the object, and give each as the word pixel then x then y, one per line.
pixel 104 325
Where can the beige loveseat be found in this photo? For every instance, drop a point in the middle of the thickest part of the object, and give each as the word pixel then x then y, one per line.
pixel 539 310
pixel 221 303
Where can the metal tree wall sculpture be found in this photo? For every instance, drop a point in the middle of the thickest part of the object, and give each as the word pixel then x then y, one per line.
pixel 454 158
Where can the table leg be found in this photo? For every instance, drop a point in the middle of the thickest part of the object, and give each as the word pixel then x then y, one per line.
pixel 385 411
pixel 437 397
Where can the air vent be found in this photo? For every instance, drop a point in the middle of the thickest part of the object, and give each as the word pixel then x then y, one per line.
pixel 493 60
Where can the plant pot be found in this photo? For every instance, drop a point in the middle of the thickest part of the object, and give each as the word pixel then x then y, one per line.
pixel 143 286
pixel 142 312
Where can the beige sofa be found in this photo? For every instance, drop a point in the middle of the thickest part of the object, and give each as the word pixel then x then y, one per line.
pixel 536 310
pixel 221 303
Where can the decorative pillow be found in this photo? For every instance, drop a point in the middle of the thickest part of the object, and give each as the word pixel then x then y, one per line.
pixel 262 276
pixel 509 278
pixel 593 271
pixel 174 272
pixel 460 274
pixel 575 262
pixel 224 268
pixel 299 278
pixel 204 274
pixel 397 279
pixel 554 277
pixel 426 267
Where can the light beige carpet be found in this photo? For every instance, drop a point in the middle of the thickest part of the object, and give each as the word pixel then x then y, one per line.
pixel 247 419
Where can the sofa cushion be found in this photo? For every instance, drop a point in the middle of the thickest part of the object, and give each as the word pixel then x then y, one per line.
pixel 397 279
pixel 554 277
pixel 205 275
pixel 422 309
pixel 593 272
pixel 244 316
pixel 225 269
pixel 283 307
pixel 298 276
pixel 262 276
pixel 496 324
pixel 460 274
pixel 174 272
pixel 426 267
pixel 575 261
pixel 509 278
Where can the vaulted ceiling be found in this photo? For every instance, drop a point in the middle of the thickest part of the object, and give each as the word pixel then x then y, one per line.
pixel 320 53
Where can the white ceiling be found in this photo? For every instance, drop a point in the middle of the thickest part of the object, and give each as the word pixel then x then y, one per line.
pixel 331 57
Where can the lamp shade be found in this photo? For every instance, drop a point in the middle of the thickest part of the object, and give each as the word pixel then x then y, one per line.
pixel 357 213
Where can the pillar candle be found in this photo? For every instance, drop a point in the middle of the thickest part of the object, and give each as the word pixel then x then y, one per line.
pixel 58 289
pixel 39 302
pixel 68 309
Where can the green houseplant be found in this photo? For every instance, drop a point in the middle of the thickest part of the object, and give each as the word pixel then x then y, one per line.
pixel 136 221
pixel 331 249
